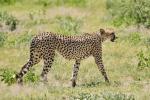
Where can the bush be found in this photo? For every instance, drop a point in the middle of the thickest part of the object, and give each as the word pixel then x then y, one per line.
pixel 68 25
pixel 9 20
pixel 129 12
pixel 8 76
pixel 31 77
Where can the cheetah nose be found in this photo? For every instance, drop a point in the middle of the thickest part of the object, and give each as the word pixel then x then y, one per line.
pixel 114 38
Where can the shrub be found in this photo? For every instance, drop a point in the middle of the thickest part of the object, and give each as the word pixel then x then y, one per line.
pixel 129 12
pixel 68 25
pixel 9 20
pixel 8 76
pixel 31 77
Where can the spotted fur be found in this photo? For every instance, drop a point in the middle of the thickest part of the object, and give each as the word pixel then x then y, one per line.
pixel 44 45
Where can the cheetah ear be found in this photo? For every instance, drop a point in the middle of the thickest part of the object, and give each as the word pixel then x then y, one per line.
pixel 102 31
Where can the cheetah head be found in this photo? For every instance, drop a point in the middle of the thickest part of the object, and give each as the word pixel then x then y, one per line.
pixel 108 34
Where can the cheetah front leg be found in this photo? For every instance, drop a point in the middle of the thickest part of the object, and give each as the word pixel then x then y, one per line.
pixel 75 72
pixel 99 62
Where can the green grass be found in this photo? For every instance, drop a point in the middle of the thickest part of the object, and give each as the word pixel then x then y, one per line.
pixel 120 58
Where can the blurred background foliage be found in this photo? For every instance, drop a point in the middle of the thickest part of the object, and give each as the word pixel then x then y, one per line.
pixel 130 12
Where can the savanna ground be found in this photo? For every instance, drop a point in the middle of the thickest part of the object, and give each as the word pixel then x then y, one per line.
pixel 126 61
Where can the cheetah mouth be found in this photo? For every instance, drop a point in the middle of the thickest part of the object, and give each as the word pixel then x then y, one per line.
pixel 112 40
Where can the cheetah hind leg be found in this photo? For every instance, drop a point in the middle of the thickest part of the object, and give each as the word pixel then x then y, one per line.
pixel 35 58
pixel 48 61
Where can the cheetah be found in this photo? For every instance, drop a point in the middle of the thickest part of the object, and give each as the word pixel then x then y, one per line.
pixel 44 46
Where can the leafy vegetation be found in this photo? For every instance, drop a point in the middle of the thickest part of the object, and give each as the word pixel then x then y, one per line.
pixel 31 77
pixel 130 12
pixel 8 77
pixel 9 20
